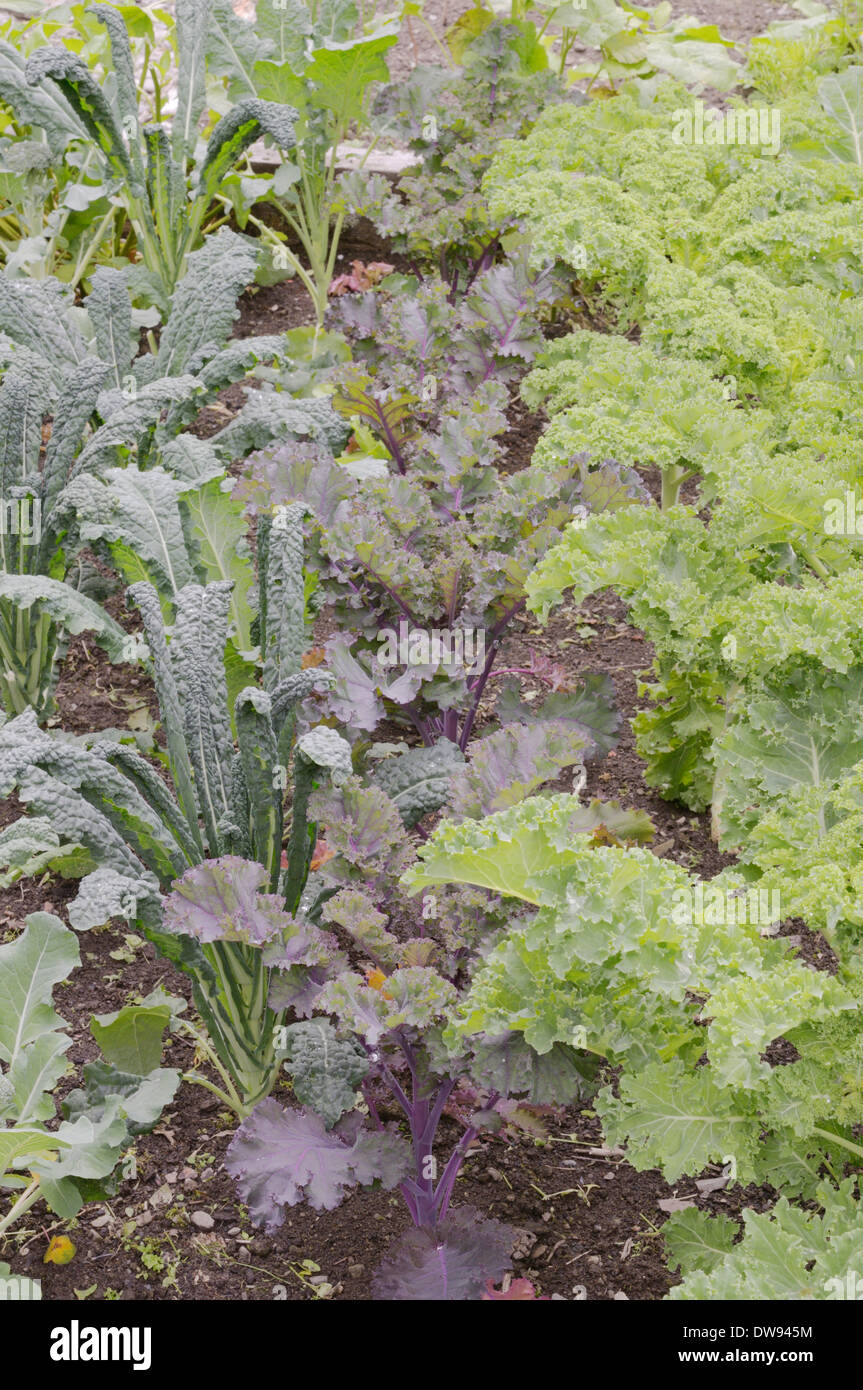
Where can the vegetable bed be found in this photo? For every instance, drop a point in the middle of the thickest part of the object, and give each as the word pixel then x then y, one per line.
pixel 431 695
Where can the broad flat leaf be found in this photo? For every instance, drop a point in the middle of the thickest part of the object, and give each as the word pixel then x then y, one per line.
pixel 341 72
pixel 695 1240
pixel 131 1038
pixel 451 1263
pixel 841 95
pixel 143 1098
pixel 690 61
pixel 90 1149
pixel 24 1141
pixel 281 1157
pixel 41 957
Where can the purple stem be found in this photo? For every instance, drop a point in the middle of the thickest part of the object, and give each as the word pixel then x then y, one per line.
pixel 383 425
pixel 423 1112
pixel 445 1187
pixel 408 612
pixel 479 687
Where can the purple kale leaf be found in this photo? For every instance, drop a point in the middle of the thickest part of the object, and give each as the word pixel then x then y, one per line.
pixel 296 988
pixel 450 1263
pixel 359 690
pixel 363 829
pixel 296 472
pixel 590 710
pixel 219 900
pixel 282 1157
pixel 514 763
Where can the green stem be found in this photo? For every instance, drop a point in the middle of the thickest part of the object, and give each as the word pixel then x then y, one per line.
pixel 29 1197
pixel 838 1139
pixel 235 1104
pixel 231 1095
pixel 672 481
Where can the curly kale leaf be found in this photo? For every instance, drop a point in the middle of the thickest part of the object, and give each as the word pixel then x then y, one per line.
pixel 450 1263
pixel 282 1157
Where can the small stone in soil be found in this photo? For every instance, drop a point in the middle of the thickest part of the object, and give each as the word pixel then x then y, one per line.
pixel 203 1220
pixel 356 1271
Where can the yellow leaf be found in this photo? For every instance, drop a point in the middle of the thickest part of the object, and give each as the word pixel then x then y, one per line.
pixel 377 979
pixel 59 1252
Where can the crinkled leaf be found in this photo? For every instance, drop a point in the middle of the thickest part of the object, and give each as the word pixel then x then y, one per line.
pixel 281 1157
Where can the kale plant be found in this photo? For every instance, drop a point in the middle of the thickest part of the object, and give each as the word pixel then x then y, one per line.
pixel 453 122
pixel 139 834
pixel 147 165
pixel 377 1023
pixel 679 983
pixel 424 544
pixel 75 420
pixel 322 63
